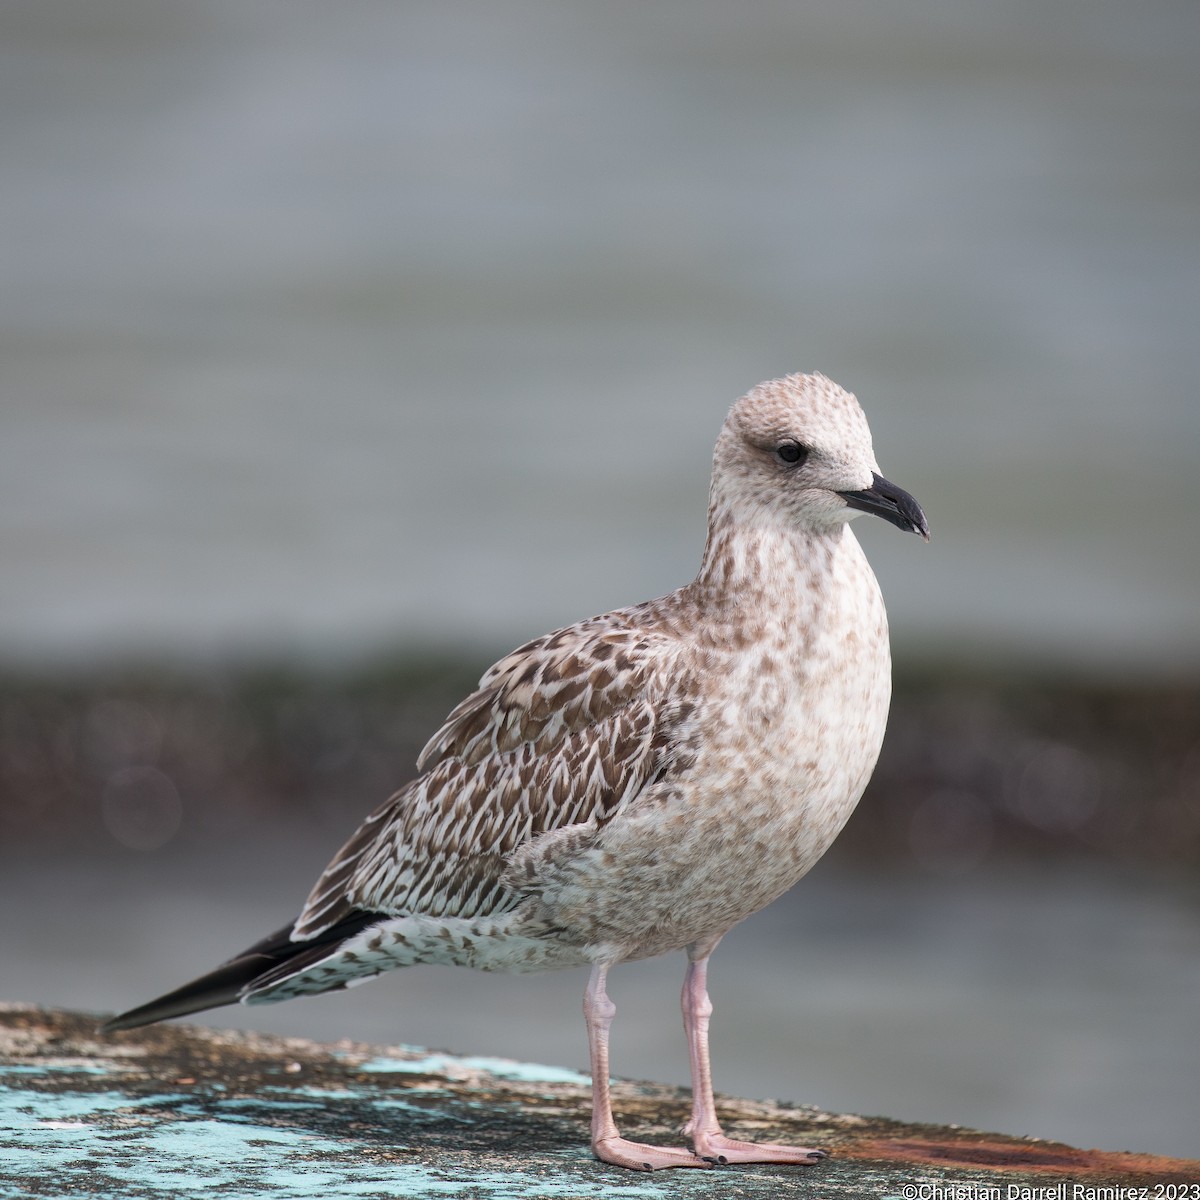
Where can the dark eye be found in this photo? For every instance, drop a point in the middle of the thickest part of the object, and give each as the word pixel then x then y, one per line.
pixel 792 453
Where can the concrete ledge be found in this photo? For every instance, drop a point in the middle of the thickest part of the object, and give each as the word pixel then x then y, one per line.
pixel 176 1111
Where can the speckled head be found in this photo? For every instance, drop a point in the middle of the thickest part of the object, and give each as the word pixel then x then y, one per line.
pixel 798 450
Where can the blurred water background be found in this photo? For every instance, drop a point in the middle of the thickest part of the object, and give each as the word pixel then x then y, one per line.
pixel 345 346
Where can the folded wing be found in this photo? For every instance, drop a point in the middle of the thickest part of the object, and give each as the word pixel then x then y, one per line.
pixel 568 729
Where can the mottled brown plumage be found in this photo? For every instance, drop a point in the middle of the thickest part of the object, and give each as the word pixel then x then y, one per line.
pixel 562 732
pixel 641 781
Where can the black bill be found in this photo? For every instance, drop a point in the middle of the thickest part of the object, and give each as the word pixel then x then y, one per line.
pixel 894 504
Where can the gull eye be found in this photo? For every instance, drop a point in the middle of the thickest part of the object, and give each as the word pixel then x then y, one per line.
pixel 792 453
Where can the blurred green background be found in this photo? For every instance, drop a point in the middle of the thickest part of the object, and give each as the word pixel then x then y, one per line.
pixel 346 346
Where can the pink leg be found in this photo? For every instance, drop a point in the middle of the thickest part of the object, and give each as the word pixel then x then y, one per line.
pixel 710 1143
pixel 607 1144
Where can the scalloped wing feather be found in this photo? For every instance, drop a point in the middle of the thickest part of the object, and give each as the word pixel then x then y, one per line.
pixel 544 691
pixel 566 730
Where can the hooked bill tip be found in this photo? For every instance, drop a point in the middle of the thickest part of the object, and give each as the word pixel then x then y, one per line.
pixel 884 499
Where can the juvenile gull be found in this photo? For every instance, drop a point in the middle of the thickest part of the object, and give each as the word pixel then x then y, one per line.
pixel 639 782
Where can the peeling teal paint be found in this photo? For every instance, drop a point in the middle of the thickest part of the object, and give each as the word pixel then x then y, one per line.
pixel 110 1146
pixel 319 1097
pixel 21 1103
pixel 420 1111
pixel 250 1103
pixel 54 1068
pixel 501 1068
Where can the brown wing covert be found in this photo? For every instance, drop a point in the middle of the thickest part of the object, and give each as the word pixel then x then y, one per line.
pixel 568 729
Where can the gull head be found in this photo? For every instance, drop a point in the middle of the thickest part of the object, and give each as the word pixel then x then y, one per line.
pixel 798 450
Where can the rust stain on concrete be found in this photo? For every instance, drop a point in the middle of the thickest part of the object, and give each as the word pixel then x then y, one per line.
pixel 1015 1155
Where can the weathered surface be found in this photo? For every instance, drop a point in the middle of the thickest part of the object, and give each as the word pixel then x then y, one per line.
pixel 174 1111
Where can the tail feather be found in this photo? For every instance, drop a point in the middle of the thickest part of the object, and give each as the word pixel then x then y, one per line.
pixel 275 956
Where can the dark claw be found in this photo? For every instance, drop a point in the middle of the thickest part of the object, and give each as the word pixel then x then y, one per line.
pixel 818 1154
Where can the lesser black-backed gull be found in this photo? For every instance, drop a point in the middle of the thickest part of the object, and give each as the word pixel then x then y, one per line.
pixel 641 781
